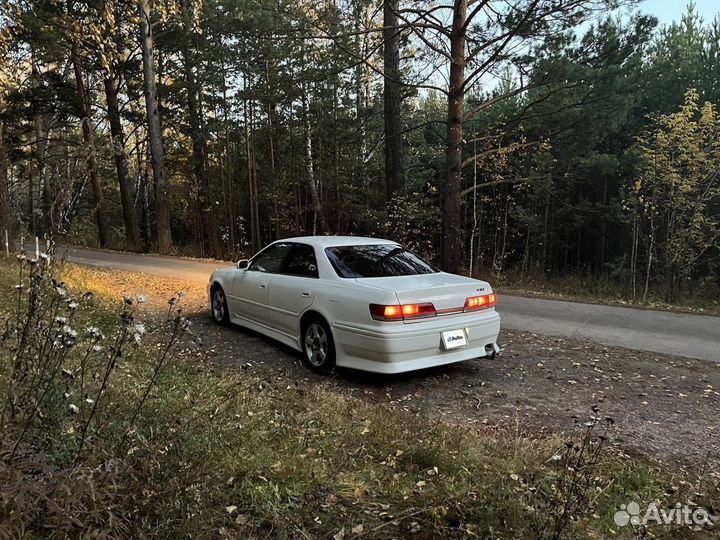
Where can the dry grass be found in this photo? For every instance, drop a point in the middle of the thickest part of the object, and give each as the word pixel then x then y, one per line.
pixel 218 452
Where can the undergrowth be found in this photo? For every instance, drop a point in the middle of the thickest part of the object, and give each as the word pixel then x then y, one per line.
pixel 601 288
pixel 114 427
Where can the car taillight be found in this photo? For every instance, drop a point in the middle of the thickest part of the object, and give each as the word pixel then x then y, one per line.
pixel 480 302
pixel 380 312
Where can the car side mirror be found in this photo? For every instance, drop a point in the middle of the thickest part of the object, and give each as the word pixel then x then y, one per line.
pixel 242 264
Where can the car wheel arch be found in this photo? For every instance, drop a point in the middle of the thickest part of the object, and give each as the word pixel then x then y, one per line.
pixel 216 285
pixel 307 316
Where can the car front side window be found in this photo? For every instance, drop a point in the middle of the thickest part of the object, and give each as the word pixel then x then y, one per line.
pixel 270 260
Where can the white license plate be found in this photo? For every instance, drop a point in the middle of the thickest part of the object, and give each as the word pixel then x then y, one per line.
pixel 452 339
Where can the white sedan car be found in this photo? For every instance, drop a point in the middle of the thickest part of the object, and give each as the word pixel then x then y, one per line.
pixel 360 303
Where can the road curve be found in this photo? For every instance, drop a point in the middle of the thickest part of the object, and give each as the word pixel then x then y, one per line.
pixel 689 335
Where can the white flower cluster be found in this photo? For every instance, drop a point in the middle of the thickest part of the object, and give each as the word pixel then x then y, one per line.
pixel 138 331
pixel 69 332
pixel 95 333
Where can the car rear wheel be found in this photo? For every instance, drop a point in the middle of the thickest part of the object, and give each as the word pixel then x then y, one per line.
pixel 318 346
pixel 220 313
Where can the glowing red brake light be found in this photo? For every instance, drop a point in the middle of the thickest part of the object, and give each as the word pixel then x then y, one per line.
pixel 480 302
pixel 392 312
pixel 406 311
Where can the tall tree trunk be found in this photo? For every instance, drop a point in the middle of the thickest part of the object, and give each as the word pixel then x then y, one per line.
pixel 5 224
pixel 42 139
pixel 318 216
pixel 603 224
pixel 394 162
pixel 157 152
pixel 88 137
pixel 199 150
pixel 254 178
pixel 254 221
pixel 118 139
pixel 452 232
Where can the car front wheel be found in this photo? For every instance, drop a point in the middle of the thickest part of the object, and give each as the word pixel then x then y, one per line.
pixel 318 347
pixel 220 312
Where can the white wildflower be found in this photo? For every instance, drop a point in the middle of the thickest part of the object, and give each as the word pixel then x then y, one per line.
pixel 74 408
pixel 73 305
pixel 140 299
pixel 138 330
pixel 61 320
pixel 68 331
pixel 95 333
pixel 62 291
pixel 97 348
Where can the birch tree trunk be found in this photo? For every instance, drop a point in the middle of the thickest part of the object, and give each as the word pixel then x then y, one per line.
pixel 318 216
pixel 157 152
pixel 4 191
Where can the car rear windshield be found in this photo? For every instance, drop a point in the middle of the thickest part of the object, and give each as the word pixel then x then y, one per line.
pixel 381 260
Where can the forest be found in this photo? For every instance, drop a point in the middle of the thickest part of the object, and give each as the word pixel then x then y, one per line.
pixel 530 137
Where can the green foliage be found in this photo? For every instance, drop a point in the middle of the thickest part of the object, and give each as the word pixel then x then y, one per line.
pixel 679 192
pixel 553 153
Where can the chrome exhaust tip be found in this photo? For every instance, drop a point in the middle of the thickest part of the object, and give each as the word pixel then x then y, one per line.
pixel 491 350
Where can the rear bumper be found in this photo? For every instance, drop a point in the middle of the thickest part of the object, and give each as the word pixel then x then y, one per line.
pixel 399 347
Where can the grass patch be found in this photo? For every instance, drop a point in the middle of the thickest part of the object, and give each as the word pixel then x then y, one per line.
pixel 188 449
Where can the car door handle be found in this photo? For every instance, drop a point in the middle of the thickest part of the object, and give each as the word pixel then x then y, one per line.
pixel 305 294
pixel 262 286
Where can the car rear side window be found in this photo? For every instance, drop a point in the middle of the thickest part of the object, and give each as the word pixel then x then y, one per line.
pixel 271 259
pixel 300 262
pixel 381 260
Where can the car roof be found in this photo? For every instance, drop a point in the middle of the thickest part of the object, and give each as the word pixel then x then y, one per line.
pixel 330 241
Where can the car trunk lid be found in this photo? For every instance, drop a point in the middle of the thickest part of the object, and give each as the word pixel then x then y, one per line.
pixel 447 292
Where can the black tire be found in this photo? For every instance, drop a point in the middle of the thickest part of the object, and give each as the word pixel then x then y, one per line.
pixel 218 306
pixel 318 346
